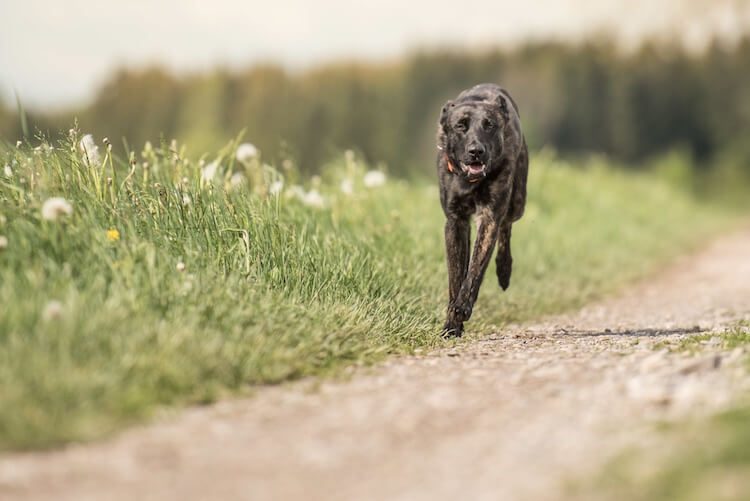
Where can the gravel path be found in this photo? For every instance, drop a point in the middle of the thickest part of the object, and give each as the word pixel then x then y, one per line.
pixel 509 417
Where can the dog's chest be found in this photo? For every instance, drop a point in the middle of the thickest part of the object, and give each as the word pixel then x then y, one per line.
pixel 470 202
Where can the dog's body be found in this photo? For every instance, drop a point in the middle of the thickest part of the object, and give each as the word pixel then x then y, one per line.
pixel 482 164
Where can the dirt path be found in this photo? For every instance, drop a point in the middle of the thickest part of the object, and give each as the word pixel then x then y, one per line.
pixel 509 417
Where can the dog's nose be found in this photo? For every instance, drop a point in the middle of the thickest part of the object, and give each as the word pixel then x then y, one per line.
pixel 476 150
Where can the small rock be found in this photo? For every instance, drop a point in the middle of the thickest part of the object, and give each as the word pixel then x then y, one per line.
pixel 704 364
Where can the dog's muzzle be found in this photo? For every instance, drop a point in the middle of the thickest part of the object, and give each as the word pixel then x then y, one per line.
pixel 475 169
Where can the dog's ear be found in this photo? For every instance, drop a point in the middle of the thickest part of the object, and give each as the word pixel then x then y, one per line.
pixel 445 112
pixel 442 137
pixel 502 104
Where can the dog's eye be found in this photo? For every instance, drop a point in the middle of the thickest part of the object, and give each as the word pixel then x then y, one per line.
pixel 488 124
pixel 462 125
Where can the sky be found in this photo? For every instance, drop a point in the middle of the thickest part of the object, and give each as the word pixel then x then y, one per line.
pixel 56 53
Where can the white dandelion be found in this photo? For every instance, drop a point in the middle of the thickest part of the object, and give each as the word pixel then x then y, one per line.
pixel 373 179
pixel 276 187
pixel 7 170
pixel 90 150
pixel 246 152
pixel 237 180
pixel 209 172
pixel 186 200
pixel 56 207
pixel 3 242
pixel 52 311
pixel 314 199
pixel 347 186
pixel 180 267
pixel 295 191
pixel 18 144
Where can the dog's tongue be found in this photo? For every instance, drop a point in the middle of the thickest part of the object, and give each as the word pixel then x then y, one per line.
pixel 475 168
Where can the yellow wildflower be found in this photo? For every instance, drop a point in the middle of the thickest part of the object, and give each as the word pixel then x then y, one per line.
pixel 113 235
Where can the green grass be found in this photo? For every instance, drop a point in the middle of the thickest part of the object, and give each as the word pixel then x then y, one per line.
pixel 702 459
pixel 272 289
pixel 735 337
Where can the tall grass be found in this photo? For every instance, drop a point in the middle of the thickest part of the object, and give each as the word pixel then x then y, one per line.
pixel 167 285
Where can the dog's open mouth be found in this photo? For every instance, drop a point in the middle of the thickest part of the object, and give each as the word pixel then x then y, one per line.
pixel 474 169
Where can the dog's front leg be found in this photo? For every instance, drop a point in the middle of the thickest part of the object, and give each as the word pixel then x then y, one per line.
pixel 487 232
pixel 457 246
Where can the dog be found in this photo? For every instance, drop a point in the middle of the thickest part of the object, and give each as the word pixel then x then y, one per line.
pixel 483 165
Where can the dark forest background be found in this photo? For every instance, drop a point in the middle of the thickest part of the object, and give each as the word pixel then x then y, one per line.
pixel 576 99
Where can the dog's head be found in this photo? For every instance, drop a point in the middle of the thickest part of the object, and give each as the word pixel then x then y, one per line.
pixel 471 136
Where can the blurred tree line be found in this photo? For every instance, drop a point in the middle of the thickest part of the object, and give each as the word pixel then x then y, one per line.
pixel 583 98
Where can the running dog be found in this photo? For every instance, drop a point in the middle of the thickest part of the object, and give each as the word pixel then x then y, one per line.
pixel 482 165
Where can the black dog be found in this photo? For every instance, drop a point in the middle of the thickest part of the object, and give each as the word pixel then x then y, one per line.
pixel 482 164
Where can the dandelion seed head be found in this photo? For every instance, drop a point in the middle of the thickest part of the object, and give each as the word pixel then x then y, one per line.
pixel 237 180
pixel 276 187
pixel 52 311
pixel 246 152
pixel 18 144
pixel 374 179
pixel 7 170
pixel 209 171
pixel 180 266
pixel 314 199
pixel 295 191
pixel 90 150
pixel 3 242
pixel 55 208
pixel 186 200
pixel 347 186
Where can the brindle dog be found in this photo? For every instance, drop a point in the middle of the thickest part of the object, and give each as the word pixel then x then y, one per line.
pixel 482 165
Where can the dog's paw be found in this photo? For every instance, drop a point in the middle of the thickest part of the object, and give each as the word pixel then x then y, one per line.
pixel 460 311
pixel 452 331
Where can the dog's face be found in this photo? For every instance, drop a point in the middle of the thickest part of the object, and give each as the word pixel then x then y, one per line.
pixel 471 135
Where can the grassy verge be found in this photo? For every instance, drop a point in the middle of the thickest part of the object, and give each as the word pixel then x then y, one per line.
pixel 173 281
pixel 694 460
